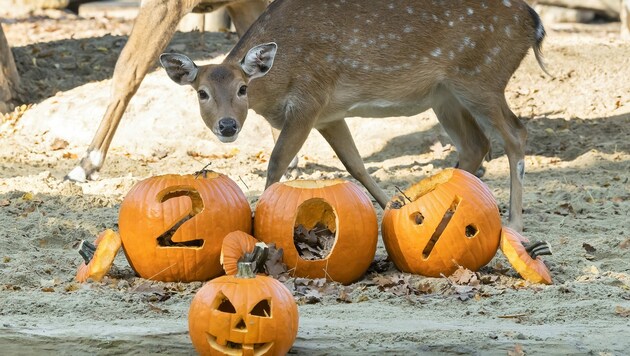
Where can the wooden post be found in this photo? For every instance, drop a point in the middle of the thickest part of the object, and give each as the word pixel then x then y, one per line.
pixel 625 19
pixel 9 79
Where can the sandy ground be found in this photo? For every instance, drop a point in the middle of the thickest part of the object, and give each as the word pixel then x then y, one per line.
pixel 576 197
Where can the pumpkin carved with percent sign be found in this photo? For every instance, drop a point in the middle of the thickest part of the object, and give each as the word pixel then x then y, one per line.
pixel 172 226
pixel 310 209
pixel 243 314
pixel 445 221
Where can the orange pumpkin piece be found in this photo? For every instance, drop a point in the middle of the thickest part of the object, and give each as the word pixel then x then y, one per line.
pixel 526 261
pixel 235 245
pixel 339 206
pixel 172 226
pixel 243 314
pixel 98 257
pixel 445 221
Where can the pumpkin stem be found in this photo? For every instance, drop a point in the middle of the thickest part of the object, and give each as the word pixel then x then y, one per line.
pixel 540 248
pixel 257 257
pixel 86 250
pixel 245 270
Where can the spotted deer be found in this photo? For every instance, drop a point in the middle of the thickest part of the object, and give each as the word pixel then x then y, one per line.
pixel 309 64
pixel 153 28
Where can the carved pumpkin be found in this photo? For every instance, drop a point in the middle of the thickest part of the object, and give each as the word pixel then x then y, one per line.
pixel 235 245
pixel 98 257
pixel 339 206
pixel 243 314
pixel 448 220
pixel 526 260
pixel 172 226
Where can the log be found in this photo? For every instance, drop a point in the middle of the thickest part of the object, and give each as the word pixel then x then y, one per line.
pixel 610 8
pixel 625 19
pixel 9 79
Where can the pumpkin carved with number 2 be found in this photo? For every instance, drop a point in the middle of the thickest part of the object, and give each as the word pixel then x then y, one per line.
pixel 172 226
pixel 445 221
pixel 243 314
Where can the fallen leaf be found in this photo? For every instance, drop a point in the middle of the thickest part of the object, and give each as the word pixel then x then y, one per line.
pixel 621 311
pixel 59 144
pixel 588 248
pixel 625 244
pixel 5 202
pixel 70 155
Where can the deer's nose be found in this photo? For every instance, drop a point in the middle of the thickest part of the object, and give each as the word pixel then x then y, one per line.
pixel 228 126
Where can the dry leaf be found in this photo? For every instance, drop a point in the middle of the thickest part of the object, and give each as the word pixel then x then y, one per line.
pixel 59 144
pixel 5 202
pixel 70 155
pixel 588 248
pixel 517 351
pixel 621 311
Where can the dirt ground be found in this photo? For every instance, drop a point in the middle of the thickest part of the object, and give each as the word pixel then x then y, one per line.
pixel 577 197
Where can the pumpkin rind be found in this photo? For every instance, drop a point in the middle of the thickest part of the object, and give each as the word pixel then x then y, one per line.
pixel 107 245
pixel 235 245
pixel 454 202
pixel 337 202
pixel 272 335
pixel 533 270
pixel 214 206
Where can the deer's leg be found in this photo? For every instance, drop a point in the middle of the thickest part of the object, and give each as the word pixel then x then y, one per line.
pixel 152 30
pixel 294 133
pixel 275 133
pixel 494 109
pixel 471 142
pixel 340 139
pixel 244 13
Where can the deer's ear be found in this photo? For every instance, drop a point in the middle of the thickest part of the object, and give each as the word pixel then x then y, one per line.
pixel 259 60
pixel 181 69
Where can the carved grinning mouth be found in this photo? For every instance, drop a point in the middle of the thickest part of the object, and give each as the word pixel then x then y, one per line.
pixel 234 348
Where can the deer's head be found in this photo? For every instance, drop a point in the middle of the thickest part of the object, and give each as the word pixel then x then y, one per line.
pixel 221 88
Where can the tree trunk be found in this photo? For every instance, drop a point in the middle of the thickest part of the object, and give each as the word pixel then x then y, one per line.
pixel 9 79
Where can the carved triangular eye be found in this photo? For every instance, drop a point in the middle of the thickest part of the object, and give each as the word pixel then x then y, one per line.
pixel 262 309
pixel 224 305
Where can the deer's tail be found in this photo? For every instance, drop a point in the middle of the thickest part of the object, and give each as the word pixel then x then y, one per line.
pixel 539 36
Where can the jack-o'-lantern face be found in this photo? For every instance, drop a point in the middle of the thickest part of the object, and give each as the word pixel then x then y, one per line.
pixel 445 221
pixel 231 315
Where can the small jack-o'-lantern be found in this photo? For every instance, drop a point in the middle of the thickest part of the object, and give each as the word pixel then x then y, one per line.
pixel 448 220
pixel 243 314
pixel 326 228
pixel 172 226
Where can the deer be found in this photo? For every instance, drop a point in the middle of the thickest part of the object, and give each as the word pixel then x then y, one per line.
pixel 153 28
pixel 306 65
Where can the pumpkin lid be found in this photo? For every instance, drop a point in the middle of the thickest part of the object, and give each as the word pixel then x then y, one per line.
pixel 98 256
pixel 526 260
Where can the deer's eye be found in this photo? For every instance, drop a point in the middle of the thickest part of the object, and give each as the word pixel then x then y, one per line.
pixel 242 91
pixel 203 95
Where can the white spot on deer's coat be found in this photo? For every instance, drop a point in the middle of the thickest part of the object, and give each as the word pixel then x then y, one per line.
pixel 436 52
pixel 470 11
pixel 390 6
pixel 409 10
pixel 507 3
pixel 447 13
pixel 408 29
pixel 451 54
pixel 491 28
pixel 450 24
pixel 484 5
pixel 508 31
